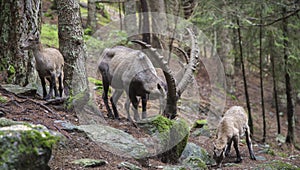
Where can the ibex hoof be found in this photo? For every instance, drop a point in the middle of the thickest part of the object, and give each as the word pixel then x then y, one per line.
pixel 253 157
pixel 238 160
pixel 47 98
pixel 110 115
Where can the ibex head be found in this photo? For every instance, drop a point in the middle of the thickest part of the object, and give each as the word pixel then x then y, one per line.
pixel 219 152
pixel 31 41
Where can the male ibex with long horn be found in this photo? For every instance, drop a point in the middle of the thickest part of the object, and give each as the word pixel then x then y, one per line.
pixel 131 70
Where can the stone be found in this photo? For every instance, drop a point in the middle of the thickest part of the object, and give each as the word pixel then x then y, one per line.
pixel 169 136
pixel 16 89
pixel 194 162
pixel 129 166
pixel 193 150
pixel 25 146
pixel 115 141
pixel 90 162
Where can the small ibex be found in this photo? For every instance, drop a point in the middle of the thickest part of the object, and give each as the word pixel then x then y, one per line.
pixel 129 70
pixel 233 125
pixel 49 64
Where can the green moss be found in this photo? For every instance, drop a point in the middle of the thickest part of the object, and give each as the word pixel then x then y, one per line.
pixel 78 100
pixel 49 35
pixel 98 84
pixel 200 123
pixel 3 99
pixel 162 123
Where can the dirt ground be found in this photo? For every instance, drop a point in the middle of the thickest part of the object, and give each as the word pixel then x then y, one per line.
pixel 77 145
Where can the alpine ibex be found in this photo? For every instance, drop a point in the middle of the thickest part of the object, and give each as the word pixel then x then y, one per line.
pixel 49 64
pixel 131 70
pixel 232 126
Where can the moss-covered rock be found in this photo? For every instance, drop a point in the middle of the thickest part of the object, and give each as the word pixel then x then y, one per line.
pixel 194 163
pixel 193 150
pixel 25 146
pixel 90 162
pixel 171 134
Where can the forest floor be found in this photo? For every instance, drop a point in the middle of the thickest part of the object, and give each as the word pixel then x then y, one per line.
pixel 77 145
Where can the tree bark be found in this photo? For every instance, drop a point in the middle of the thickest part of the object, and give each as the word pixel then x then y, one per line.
pixel 17 19
pixel 289 97
pixel 72 46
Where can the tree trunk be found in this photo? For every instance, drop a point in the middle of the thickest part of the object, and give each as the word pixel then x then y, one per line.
pixel 146 23
pixel 130 19
pixel 289 97
pixel 17 19
pixel 91 20
pixel 72 46
pixel 250 122
pixel 272 54
pixel 261 80
pixel 158 22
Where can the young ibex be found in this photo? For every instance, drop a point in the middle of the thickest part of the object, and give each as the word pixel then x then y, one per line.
pixel 233 125
pixel 130 70
pixel 49 65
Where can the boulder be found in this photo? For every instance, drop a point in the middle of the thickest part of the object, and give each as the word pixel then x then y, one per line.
pixel 195 151
pixel 115 140
pixel 168 136
pixel 27 91
pixel 25 146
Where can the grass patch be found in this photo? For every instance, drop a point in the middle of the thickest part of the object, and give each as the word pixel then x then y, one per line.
pixel 49 36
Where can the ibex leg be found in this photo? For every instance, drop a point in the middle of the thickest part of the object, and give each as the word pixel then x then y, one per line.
pixel 144 107
pixel 236 147
pixel 249 144
pixel 105 96
pixel 114 100
pixel 44 86
pixel 60 83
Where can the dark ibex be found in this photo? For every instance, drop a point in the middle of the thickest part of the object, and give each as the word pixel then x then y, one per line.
pixel 49 64
pixel 233 125
pixel 131 70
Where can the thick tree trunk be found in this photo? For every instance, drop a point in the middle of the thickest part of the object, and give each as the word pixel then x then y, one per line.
pixel 17 19
pixel 72 46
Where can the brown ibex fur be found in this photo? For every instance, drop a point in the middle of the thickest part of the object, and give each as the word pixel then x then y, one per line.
pixel 129 70
pixel 49 65
pixel 233 125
